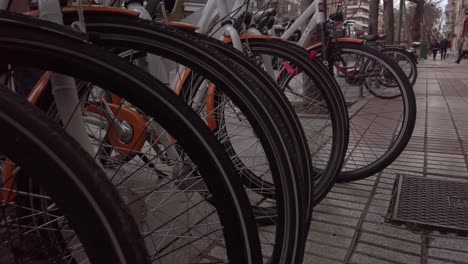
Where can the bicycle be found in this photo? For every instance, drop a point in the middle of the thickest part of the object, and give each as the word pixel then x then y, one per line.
pixel 57 204
pixel 328 161
pixel 405 60
pixel 65 52
pixel 373 145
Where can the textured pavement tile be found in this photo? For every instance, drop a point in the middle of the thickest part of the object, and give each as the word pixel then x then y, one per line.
pixel 309 258
pixel 382 196
pixel 435 261
pixel 457 243
pixel 329 239
pixel 378 210
pixel 364 259
pixel 347 221
pixel 390 230
pixel 349 226
pixel 386 186
pixel 320 249
pixel 357 186
pixel 346 197
pixel 387 253
pixel 376 218
pixel 332 229
pixel 354 192
pixel 447 178
pixel 382 203
pixel 448 254
pixel 395 244
pixel 383 191
pixel 345 204
pixel 337 211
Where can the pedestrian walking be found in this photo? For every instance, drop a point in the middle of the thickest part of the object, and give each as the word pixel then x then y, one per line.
pixel 443 48
pixel 464 48
pixel 449 47
pixel 459 46
pixel 435 48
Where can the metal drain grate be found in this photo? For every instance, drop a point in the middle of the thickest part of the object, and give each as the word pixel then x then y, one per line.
pixel 433 204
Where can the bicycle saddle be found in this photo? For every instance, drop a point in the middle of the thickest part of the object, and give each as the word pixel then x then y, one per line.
pixel 373 37
pixel 266 19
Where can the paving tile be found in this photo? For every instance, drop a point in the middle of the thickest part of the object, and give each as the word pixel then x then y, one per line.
pixel 333 229
pixel 381 203
pixel 374 218
pixel 337 211
pixel 313 259
pixel 435 261
pixel 395 244
pixel 345 197
pixel 329 239
pixel 342 220
pixel 345 204
pixel 320 249
pixel 378 210
pixel 457 243
pixel 354 192
pixel 387 253
pixel 448 254
pixel 436 150
pixel 365 259
pixel 393 231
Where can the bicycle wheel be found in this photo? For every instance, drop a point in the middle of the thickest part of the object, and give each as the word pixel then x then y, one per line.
pixel 405 61
pixel 180 205
pixel 57 205
pixel 318 102
pixel 380 128
pixel 262 119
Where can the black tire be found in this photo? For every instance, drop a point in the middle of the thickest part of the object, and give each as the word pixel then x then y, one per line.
pixel 52 47
pixel 329 164
pixel 356 167
pixel 263 107
pixel 58 165
pixel 413 74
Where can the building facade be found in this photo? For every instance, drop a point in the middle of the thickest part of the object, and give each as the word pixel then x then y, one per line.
pixel 358 10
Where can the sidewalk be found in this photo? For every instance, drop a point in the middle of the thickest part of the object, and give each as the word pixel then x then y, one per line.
pixel 349 225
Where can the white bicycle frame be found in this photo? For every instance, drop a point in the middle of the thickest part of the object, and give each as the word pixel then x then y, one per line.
pixel 315 14
pixel 215 10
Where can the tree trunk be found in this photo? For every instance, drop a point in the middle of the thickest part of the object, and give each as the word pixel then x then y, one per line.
pixel 389 22
pixel 417 21
pixel 373 17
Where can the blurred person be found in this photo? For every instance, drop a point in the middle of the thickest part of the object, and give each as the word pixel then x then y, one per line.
pixel 464 48
pixel 443 48
pixel 435 48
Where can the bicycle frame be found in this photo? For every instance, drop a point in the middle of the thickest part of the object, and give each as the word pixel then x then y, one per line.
pixel 214 10
pixel 315 14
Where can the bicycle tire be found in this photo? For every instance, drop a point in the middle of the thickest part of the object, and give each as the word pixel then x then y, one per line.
pixel 30 42
pixel 72 179
pixel 334 104
pixel 398 142
pixel 258 102
pixel 413 76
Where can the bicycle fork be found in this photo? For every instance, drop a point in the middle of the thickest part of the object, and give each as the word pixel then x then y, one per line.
pixel 64 88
